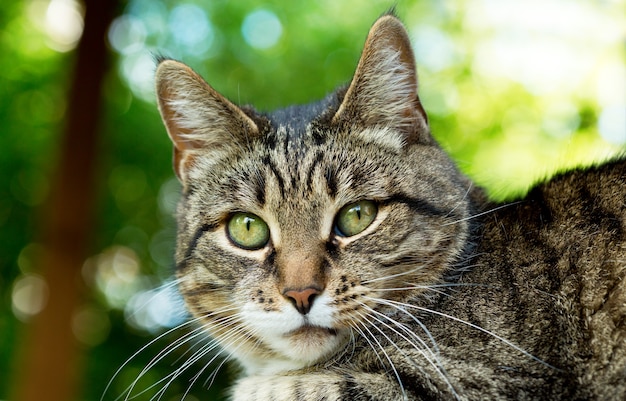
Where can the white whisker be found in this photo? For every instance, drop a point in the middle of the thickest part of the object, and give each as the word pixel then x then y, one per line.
pixel 231 337
pixel 117 372
pixel 391 364
pixel 198 332
pixel 474 326
pixel 482 213
pixel 428 354
pixel 159 357
pixel 423 344
pixel 432 287
pixel 463 200
pixel 391 276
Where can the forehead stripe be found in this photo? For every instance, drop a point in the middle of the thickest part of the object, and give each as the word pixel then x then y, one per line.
pixel 279 179
pixel 312 168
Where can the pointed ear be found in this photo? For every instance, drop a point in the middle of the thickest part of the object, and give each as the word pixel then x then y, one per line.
pixel 383 91
pixel 198 119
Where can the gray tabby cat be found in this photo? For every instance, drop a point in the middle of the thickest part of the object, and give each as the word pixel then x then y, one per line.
pixel 336 253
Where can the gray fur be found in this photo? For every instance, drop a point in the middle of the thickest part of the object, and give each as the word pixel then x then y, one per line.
pixel 445 296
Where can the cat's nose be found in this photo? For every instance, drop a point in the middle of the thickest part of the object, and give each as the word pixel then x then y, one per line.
pixel 302 300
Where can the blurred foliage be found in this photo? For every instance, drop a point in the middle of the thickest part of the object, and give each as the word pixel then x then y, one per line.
pixel 512 93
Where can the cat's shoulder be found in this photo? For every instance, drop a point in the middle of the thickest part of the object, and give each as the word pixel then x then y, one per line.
pixel 571 191
pixel 576 214
pixel 600 174
pixel 598 188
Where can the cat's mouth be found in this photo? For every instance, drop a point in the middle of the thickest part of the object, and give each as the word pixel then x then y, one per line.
pixel 313 331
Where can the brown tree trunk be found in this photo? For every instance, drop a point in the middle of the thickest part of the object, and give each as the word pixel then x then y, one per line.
pixel 50 359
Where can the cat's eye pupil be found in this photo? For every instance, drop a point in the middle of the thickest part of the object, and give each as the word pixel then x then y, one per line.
pixel 248 231
pixel 354 218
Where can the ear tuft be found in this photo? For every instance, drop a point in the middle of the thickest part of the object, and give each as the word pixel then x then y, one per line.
pixel 383 91
pixel 197 118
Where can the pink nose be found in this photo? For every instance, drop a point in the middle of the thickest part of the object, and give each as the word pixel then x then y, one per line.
pixel 302 300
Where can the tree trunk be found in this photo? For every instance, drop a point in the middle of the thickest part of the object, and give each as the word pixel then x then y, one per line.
pixel 50 355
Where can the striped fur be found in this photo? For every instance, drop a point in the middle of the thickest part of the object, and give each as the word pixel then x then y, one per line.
pixel 444 296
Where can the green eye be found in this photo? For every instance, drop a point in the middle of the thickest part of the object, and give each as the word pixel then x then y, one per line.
pixel 248 231
pixel 355 217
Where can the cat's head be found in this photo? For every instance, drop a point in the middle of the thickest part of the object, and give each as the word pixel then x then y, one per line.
pixel 297 227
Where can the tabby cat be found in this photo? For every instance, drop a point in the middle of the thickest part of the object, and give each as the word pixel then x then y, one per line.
pixel 335 251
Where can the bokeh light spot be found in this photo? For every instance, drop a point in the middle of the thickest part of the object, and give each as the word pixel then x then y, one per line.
pixel 64 24
pixel 612 124
pixel 138 69
pixel 155 309
pixel 261 29
pixel 191 28
pixel 433 48
pixel 29 296
pixel 127 34
pixel 116 273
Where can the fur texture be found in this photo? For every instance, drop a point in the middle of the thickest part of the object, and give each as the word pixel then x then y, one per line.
pixel 444 295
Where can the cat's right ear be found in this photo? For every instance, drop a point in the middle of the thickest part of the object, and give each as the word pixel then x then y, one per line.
pixel 197 118
pixel 383 91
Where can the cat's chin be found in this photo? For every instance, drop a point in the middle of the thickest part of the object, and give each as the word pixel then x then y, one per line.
pixel 297 349
pixel 307 345
pixel 311 344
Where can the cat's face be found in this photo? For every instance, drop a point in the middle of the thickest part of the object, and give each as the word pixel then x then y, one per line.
pixel 298 228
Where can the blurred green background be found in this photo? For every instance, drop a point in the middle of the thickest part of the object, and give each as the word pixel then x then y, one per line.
pixel 514 91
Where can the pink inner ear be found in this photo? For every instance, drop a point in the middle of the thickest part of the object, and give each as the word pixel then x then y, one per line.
pixel 181 157
pixel 181 161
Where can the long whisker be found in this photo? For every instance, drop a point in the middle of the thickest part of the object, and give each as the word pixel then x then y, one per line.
pixel 195 333
pixel 198 332
pixel 462 201
pixel 391 276
pixel 474 326
pixel 434 350
pixel 482 214
pixel 428 354
pixel 209 381
pixel 172 376
pixel 117 372
pixel 236 334
pixel 391 364
pixel 431 287
pixel 231 339
pixel 423 346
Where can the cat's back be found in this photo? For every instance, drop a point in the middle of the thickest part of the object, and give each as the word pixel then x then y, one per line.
pixel 566 234
pixel 555 263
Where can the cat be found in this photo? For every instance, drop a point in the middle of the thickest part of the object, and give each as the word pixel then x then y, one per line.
pixel 335 252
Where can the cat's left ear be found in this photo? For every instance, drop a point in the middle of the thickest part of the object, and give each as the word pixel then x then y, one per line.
pixel 383 91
